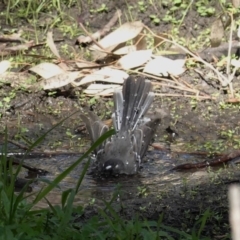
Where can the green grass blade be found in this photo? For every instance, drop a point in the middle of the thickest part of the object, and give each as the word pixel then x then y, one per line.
pixel 61 176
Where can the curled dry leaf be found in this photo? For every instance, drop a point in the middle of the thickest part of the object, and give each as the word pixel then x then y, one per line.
pixel 101 89
pixel 59 80
pixel 162 66
pixel 106 74
pixel 126 32
pixel 52 45
pixel 135 59
pixel 4 66
pixel 47 70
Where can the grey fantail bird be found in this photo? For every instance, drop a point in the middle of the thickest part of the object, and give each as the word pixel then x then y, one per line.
pixel 123 152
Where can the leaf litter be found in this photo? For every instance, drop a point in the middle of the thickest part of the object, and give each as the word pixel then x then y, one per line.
pixel 126 47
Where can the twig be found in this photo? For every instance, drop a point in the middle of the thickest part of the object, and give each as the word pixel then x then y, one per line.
pixel 221 77
pixel 215 162
pixel 24 147
pixel 100 33
pixel 89 35
pixel 176 87
pixel 181 95
pixel 106 29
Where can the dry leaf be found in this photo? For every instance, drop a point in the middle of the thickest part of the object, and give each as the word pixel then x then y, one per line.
pixel 59 80
pixel 52 45
pixel 101 89
pixel 217 33
pixel 106 74
pixel 235 63
pixel 86 64
pixel 236 3
pixel 102 32
pixel 124 33
pixel 135 59
pixel 162 66
pixel 47 70
pixel 4 66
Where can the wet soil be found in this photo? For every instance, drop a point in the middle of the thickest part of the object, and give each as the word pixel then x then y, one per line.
pixel 182 197
pixel 201 128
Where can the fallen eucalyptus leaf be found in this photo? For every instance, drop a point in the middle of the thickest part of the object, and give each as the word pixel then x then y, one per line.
pixel 52 45
pixel 47 70
pixel 59 80
pixel 4 66
pixel 135 59
pixel 101 89
pixel 106 74
pixel 162 66
pixel 124 33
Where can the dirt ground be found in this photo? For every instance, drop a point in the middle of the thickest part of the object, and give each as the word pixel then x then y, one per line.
pixel 201 126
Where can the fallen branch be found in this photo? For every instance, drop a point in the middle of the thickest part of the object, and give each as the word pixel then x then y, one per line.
pixel 215 162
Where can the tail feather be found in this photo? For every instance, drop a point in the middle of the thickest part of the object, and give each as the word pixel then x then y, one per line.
pixel 118 109
pixel 148 130
pixel 126 91
pixel 95 127
pixel 137 98
pixel 88 122
pixel 138 134
pixel 130 104
pixel 143 108
pixel 143 96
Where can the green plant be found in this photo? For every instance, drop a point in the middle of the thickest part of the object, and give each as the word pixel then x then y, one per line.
pixel 102 8
pixel 169 18
pixel 228 134
pixel 155 19
pixel 203 9
pixel 19 221
pixel 29 9
pixel 142 6
pixel 142 191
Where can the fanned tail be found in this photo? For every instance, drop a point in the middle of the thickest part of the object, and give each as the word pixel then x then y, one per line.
pixel 123 152
pixel 133 103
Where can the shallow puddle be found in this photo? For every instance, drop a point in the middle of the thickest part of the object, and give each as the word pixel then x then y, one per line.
pixel 155 177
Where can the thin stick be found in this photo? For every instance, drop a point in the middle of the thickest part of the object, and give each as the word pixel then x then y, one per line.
pixel 221 78
pixel 180 95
